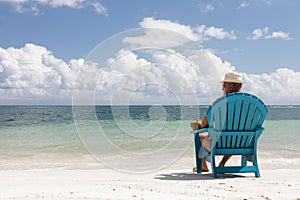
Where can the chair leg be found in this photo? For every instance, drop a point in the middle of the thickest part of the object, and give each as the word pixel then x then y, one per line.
pixel 197 153
pixel 213 166
pixel 257 174
pixel 244 161
pixel 255 163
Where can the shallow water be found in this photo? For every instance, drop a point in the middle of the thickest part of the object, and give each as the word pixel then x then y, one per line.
pixel 149 137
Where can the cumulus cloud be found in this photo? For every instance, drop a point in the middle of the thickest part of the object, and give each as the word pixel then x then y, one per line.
pixel 34 73
pixel 278 34
pixel 167 75
pixel 202 33
pixel 32 6
pixel 279 87
pixel 213 32
pixel 259 33
pixel 186 30
pixel 156 37
pixel 199 33
pixel 265 34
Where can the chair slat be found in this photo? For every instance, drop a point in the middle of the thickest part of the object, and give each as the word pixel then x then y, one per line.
pixel 233 141
pixel 223 138
pixel 237 116
pixel 244 139
pixel 248 141
pixel 255 120
pixel 222 118
pixel 228 140
pixel 230 114
pixel 249 116
pixel 244 112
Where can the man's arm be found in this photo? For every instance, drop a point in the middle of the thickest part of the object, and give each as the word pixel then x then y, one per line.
pixel 204 122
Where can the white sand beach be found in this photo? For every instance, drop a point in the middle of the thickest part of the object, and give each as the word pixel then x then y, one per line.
pixel 164 184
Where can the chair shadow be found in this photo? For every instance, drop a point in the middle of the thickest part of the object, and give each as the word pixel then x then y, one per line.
pixel 194 176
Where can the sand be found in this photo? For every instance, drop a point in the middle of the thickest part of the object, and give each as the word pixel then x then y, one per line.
pixel 164 184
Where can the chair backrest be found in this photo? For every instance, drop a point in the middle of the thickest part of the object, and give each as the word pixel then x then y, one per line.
pixel 239 113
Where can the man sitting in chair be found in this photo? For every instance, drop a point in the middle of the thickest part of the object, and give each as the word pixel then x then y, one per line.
pixel 231 83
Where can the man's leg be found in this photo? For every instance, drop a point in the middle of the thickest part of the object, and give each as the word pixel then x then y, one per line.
pixel 203 140
pixel 204 166
pixel 224 160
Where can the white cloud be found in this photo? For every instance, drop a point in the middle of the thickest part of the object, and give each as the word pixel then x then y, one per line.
pixel 156 37
pixel 265 34
pixel 99 8
pixel 68 3
pixel 166 74
pixel 244 4
pixel 198 33
pixel 171 26
pixel 23 6
pixel 33 73
pixel 169 77
pixel 279 34
pixel 268 2
pixel 259 33
pixel 279 87
pixel 13 1
pixel 19 6
pixel 207 7
pixel 213 32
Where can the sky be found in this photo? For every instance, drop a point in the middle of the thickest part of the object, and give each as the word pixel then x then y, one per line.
pixel 45 46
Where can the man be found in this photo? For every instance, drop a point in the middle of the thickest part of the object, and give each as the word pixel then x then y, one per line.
pixel 231 83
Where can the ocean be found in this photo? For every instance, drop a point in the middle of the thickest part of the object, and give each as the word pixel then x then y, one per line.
pixel 130 139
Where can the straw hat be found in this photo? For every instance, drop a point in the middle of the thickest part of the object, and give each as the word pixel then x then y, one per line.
pixel 232 77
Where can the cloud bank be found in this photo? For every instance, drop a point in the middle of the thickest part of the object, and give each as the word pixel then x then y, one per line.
pixel 32 72
pixel 23 6
pixel 33 75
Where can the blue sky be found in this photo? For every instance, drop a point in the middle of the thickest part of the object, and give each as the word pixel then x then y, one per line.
pixel 256 37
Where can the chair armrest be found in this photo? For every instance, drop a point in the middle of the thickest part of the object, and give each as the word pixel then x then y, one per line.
pixel 260 128
pixel 259 131
pixel 200 130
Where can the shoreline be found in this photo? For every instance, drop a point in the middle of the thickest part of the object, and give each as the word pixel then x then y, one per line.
pixel 164 184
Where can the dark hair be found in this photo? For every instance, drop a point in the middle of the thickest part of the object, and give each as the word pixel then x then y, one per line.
pixel 237 86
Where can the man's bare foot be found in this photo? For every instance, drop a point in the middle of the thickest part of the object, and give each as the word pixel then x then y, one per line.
pixel 203 169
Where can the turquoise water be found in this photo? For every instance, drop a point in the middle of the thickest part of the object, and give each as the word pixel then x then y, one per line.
pixel 47 137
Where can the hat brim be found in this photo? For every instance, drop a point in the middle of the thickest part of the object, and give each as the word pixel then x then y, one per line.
pixel 232 81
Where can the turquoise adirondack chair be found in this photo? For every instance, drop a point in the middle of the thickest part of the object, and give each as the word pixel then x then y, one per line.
pixel 235 124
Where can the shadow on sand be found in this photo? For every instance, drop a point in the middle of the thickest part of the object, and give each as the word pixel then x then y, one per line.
pixel 194 176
